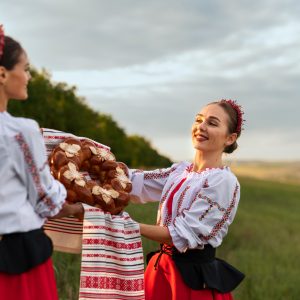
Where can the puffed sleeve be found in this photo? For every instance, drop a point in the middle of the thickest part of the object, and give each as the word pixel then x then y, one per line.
pixel 209 215
pixel 46 194
pixel 147 186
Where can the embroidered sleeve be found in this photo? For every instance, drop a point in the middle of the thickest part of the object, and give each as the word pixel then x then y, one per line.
pixel 46 194
pixel 147 186
pixel 209 214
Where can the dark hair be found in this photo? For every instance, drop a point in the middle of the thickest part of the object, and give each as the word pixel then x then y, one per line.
pixel 11 53
pixel 232 123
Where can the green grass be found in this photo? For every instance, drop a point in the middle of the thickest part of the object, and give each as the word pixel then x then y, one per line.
pixel 263 242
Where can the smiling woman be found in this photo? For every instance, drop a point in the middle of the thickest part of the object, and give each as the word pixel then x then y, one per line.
pixel 198 202
pixel 28 192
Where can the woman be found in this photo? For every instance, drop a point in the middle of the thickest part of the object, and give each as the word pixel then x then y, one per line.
pixel 198 201
pixel 28 193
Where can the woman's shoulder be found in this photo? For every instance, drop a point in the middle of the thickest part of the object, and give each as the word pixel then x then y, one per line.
pixel 181 166
pixel 217 176
pixel 23 129
pixel 223 175
pixel 25 125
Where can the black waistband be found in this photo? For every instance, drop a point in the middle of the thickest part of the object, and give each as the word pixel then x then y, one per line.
pixel 21 251
pixel 207 254
pixel 200 269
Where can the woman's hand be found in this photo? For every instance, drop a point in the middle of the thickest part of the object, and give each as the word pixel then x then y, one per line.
pixel 67 210
pixel 78 210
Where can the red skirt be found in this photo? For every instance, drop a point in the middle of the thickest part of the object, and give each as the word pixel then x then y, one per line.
pixel 165 283
pixel 36 284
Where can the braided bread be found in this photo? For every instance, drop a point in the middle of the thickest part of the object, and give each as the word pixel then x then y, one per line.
pixel 91 175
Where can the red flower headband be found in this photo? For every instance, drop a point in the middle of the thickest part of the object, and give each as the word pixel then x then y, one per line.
pixel 1 40
pixel 239 111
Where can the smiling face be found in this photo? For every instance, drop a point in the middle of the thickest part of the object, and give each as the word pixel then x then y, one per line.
pixel 15 80
pixel 210 130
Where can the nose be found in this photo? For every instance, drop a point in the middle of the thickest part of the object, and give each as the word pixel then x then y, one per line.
pixel 29 76
pixel 202 126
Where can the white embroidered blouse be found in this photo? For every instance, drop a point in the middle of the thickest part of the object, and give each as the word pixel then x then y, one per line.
pixel 204 203
pixel 28 192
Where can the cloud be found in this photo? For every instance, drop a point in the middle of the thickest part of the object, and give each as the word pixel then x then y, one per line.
pixel 106 34
pixel 154 64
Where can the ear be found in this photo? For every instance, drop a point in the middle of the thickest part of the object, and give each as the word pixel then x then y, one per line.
pixel 231 139
pixel 3 74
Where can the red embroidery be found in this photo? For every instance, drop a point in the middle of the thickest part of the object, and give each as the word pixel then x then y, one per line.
pixel 171 196
pixel 185 209
pixel 168 220
pixel 163 199
pixel 158 174
pixel 113 257
pixel 111 283
pixel 105 242
pixel 205 184
pixel 33 170
pixel 211 202
pixel 111 229
pixel 181 197
pixel 225 217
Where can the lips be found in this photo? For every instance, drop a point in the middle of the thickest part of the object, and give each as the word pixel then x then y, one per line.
pixel 201 137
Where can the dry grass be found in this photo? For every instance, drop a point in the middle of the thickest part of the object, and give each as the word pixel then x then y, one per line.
pixel 288 172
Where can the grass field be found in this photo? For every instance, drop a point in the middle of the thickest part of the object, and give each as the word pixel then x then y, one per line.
pixel 288 171
pixel 263 242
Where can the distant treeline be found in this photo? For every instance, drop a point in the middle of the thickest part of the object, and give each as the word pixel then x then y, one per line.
pixel 57 106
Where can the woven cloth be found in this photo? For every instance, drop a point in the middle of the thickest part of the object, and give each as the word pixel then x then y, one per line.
pixel 112 262
pixel 112 265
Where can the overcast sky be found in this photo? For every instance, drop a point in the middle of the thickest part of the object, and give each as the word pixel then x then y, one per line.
pixel 154 64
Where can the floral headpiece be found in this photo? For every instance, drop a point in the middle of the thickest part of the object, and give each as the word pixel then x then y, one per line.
pixel 1 40
pixel 239 111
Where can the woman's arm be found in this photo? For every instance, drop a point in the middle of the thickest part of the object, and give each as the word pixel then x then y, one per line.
pixel 156 233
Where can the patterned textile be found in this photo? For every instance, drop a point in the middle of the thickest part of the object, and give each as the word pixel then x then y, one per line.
pixel 112 265
pixel 112 262
pixel 65 233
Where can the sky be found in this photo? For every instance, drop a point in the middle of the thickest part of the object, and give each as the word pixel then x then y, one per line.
pixel 153 65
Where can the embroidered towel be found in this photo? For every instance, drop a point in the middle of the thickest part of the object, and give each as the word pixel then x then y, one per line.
pixel 112 265
pixel 112 262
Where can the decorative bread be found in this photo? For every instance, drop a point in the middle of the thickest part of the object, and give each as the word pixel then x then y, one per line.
pixel 91 175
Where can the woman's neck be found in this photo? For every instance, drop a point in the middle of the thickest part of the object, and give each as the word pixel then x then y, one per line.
pixel 208 160
pixel 3 101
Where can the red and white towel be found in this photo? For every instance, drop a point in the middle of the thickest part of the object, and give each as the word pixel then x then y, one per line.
pixel 112 265
pixel 112 262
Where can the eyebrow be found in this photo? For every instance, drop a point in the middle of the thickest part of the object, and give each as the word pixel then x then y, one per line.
pixel 211 117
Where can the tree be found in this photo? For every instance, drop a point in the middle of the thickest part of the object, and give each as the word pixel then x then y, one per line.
pixel 57 106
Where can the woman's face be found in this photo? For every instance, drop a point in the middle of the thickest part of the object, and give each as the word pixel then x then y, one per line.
pixel 16 80
pixel 210 130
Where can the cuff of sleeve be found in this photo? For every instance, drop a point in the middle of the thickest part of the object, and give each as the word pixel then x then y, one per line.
pixel 179 243
pixel 137 180
pixel 50 206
